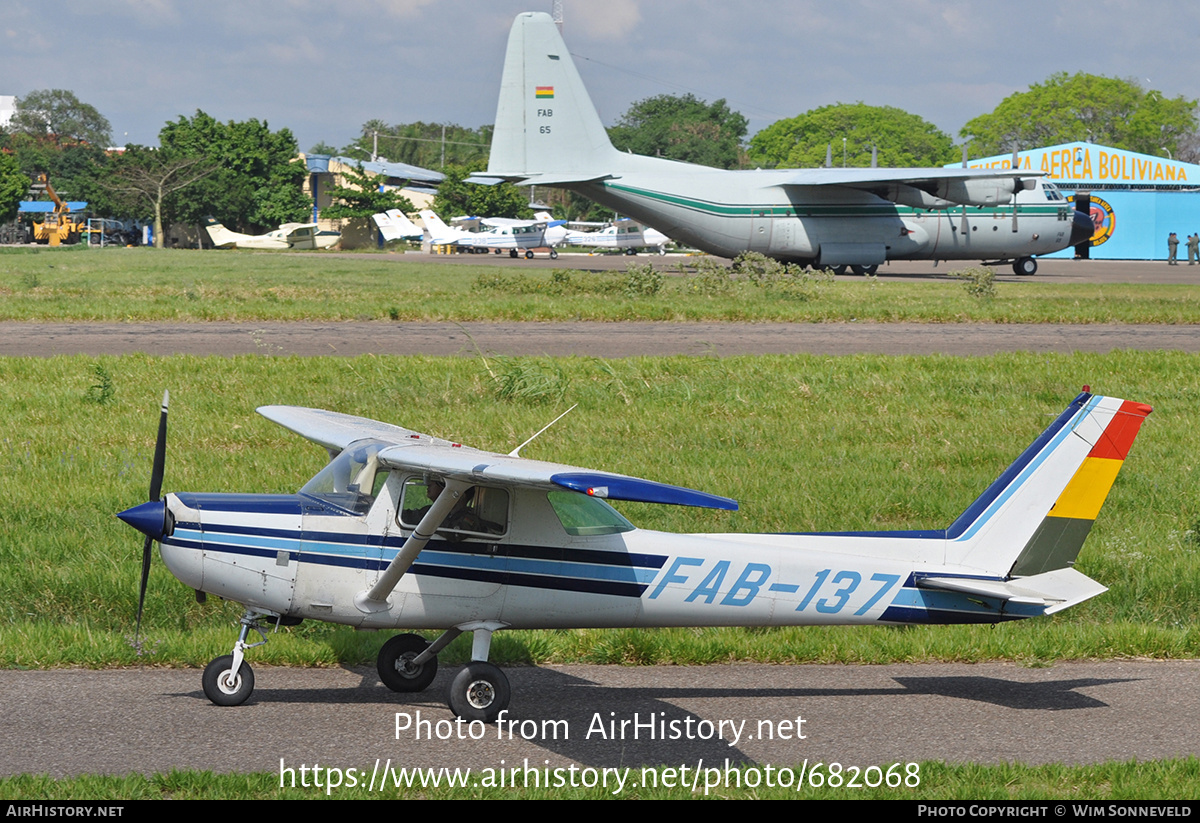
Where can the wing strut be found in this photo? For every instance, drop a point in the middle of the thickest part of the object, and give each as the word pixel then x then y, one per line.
pixel 376 598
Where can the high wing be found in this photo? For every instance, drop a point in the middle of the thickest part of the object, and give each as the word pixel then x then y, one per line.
pixel 922 188
pixel 412 451
pixel 336 431
pixel 510 222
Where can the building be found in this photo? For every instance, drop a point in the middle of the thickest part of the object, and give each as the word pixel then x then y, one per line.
pixel 1134 200
pixel 325 172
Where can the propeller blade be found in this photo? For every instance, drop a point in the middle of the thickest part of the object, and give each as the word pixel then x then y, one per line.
pixel 160 452
pixel 146 552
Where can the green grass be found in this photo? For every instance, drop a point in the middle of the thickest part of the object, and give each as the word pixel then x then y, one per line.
pixel 804 442
pixel 1154 780
pixel 118 285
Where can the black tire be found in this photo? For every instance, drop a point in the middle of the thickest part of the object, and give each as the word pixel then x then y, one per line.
pixel 217 687
pixel 1025 266
pixel 553 254
pixel 837 269
pixel 529 254
pixel 864 270
pixel 395 670
pixel 512 253
pixel 479 692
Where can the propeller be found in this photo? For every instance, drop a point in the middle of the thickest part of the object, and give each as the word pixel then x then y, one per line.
pixel 151 518
pixel 1016 162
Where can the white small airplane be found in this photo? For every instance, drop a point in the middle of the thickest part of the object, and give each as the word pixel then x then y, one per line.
pixel 287 236
pixel 394 225
pixel 548 133
pixel 513 235
pixel 405 531
pixel 626 235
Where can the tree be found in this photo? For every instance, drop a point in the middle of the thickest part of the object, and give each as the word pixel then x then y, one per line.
pixel 682 128
pixel 1066 108
pixel 13 186
pixel 362 195
pixel 58 115
pixel 456 197
pixel 259 180
pixel 148 177
pixel 901 139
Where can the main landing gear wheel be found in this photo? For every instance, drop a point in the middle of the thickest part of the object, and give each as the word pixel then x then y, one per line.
pixel 226 691
pixel 837 269
pixel 395 666
pixel 1025 266
pixel 529 254
pixel 512 253
pixel 479 692
pixel 553 254
pixel 864 270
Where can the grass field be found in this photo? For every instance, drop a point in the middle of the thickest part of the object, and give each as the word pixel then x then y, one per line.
pixel 805 443
pixel 119 285
pixel 1167 779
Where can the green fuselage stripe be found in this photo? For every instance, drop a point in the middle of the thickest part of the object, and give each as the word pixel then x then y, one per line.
pixel 882 209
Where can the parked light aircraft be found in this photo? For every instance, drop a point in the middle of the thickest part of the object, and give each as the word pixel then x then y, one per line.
pixel 401 530
pixel 548 133
pixel 626 235
pixel 394 225
pixel 287 236
pixel 515 236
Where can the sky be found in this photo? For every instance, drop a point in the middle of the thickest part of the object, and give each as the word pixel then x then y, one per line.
pixel 323 69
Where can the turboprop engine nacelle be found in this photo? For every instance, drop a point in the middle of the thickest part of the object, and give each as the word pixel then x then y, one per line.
pixel 979 192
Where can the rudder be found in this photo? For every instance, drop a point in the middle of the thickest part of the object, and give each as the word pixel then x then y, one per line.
pixel 1035 517
pixel 546 124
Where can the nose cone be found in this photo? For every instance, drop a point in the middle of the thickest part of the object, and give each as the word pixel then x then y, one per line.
pixel 148 518
pixel 1082 228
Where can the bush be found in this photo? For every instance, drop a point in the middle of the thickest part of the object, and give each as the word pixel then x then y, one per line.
pixel 641 280
pixel 979 281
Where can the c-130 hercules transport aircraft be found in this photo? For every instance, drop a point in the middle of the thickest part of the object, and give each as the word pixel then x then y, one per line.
pixel 548 133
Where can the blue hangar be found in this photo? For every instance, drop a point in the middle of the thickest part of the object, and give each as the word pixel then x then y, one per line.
pixel 1134 200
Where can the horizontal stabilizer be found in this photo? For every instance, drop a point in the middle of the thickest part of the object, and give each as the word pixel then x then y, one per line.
pixel 1055 591
pixel 540 179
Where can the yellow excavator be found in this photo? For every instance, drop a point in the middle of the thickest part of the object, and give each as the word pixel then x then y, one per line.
pixel 58 227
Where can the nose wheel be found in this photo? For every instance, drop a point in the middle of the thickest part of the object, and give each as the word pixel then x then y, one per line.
pixel 226 687
pixel 229 680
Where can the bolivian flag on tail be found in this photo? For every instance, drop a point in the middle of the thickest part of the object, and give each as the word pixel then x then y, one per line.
pixel 543 92
pixel 1058 539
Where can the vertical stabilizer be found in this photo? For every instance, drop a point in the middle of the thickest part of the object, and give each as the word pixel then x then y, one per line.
pixel 1035 517
pixel 546 125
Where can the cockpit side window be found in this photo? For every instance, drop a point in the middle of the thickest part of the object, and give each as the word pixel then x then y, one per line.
pixel 481 512
pixel 581 515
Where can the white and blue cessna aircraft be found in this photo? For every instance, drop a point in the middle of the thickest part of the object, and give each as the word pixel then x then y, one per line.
pixel 548 134
pixel 405 531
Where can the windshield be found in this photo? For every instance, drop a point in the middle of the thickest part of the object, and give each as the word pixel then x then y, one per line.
pixel 352 479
